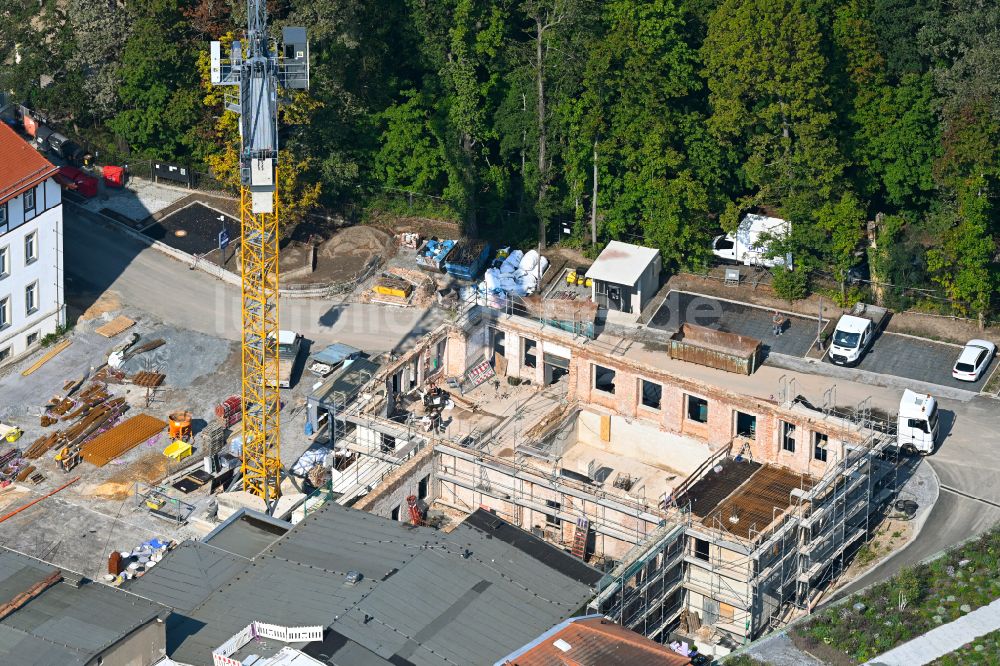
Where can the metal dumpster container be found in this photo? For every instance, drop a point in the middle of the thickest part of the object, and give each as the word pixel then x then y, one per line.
pixel 716 349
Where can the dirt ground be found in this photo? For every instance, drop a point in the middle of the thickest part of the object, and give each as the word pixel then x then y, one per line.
pixel 945 329
pixel 341 257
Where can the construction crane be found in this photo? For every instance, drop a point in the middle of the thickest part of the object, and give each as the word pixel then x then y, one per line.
pixel 257 70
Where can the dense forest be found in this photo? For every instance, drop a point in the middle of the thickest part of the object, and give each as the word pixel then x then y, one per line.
pixel 652 121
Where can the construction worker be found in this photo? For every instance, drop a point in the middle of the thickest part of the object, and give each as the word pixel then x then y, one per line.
pixel 779 323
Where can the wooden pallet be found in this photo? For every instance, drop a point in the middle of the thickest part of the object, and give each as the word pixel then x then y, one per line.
pixel 117 325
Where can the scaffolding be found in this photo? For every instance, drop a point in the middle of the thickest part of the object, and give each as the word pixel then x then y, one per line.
pixel 785 566
pixel 470 478
pixel 644 591
pixel 755 579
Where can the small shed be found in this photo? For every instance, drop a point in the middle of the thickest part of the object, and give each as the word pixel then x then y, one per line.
pixel 625 277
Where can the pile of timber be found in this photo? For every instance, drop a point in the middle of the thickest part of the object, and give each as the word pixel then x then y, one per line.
pixel 78 433
pixel 148 379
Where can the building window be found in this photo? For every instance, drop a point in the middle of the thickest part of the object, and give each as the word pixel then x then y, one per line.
pixel 697 410
pixel 788 437
pixel 388 443
pixel 31 298
pixel 604 379
pixel 498 341
pixel 4 262
pixel 701 549
pixel 4 312
pixel 395 513
pixel 552 518
pixel 422 487
pixel 746 425
pixel 819 446
pixel 3 217
pixel 32 338
pixel 530 353
pixel 29 200
pixel 438 361
pixel 31 247
pixel 652 394
pixel 4 354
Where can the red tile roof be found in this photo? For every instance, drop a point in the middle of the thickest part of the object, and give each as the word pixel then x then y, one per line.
pixel 598 642
pixel 21 166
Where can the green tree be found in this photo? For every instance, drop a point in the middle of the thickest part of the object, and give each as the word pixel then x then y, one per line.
pixel 641 128
pixel 770 104
pixel 411 154
pixel 158 88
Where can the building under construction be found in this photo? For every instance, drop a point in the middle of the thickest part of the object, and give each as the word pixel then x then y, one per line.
pixel 714 513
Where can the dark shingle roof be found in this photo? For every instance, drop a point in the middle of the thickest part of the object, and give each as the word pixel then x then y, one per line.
pixel 64 624
pixel 426 598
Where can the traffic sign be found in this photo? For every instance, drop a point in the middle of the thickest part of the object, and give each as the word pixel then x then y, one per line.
pixel 223 239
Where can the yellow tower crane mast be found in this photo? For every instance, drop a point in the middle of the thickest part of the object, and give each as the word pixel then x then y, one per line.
pixel 257 70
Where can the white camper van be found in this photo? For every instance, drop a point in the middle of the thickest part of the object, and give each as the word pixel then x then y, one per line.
pixel 917 428
pixel 746 245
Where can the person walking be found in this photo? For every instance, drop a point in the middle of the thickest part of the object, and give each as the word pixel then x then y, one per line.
pixel 778 321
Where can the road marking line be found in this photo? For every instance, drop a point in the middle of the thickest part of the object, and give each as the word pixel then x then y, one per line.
pixel 955 491
pixel 743 304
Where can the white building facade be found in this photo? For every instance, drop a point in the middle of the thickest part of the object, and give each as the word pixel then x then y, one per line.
pixel 31 248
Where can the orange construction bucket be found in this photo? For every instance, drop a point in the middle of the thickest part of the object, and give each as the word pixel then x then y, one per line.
pixel 180 425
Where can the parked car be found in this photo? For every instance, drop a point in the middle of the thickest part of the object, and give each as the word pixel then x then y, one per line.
pixel 973 360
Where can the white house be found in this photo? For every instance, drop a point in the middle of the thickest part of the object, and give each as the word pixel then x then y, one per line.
pixel 31 261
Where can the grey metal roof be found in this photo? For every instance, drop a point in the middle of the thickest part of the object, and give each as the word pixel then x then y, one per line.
pixel 247 533
pixel 347 381
pixel 426 598
pixel 64 624
pixel 186 578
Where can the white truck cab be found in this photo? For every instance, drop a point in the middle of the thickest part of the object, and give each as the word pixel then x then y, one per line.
pixel 917 428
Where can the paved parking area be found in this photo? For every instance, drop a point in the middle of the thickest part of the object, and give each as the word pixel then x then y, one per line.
pixel 193 229
pixel 918 359
pixel 680 307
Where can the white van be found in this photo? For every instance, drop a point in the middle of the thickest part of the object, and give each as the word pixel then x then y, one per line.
pixel 746 246
pixel 917 428
pixel 855 333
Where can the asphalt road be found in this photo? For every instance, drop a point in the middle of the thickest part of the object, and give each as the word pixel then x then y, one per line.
pixel 99 258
